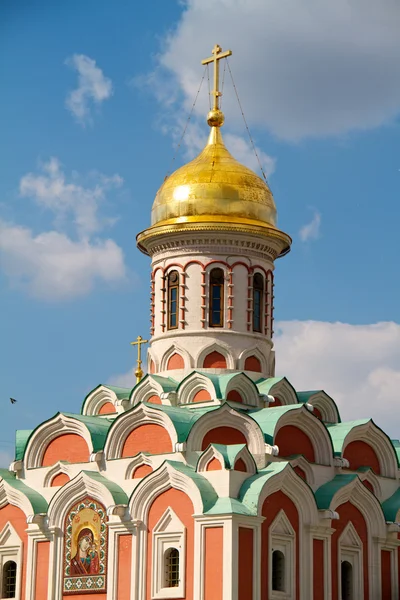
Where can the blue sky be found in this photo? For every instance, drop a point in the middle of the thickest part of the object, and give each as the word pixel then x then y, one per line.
pixel 320 86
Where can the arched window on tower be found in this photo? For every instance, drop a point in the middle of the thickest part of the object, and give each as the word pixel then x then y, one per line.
pixel 9 583
pixel 173 299
pixel 347 580
pixel 278 571
pixel 216 318
pixel 258 304
pixel 171 560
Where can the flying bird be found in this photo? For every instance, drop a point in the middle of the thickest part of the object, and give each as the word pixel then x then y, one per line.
pixel 12 400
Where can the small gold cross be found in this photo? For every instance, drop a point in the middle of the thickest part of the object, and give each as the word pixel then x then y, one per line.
pixel 217 55
pixel 138 343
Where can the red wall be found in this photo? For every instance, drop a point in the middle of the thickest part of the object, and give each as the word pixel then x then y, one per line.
pixel 214 360
pixel 245 583
pixel 59 480
pixel 201 396
pixel 69 446
pixel 386 575
pixel 214 465
pixel 234 396
pixel 318 570
pixel 175 362
pixel 147 438
pixel 42 570
pixel 240 465
pixel 154 399
pixel 183 507
pixel 124 567
pixel 142 471
pixel 252 364
pixel 107 408
pixel 213 564
pixel 223 435
pixel 348 512
pixel 271 507
pixel 360 454
pixel 292 440
pixel 17 519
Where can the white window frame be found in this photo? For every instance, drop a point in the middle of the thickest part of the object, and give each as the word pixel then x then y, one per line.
pixel 168 533
pixel 350 549
pixel 282 537
pixel 10 549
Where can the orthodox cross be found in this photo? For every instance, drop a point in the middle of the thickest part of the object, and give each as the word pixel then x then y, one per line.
pixel 138 343
pixel 217 55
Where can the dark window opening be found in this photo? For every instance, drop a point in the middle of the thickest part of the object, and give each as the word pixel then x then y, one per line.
pixel 173 299
pixel 9 579
pixel 258 293
pixel 278 571
pixel 172 568
pixel 216 298
pixel 347 580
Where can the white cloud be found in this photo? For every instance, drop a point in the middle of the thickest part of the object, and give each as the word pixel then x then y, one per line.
pixel 53 267
pixel 93 87
pixel 311 230
pixel 64 198
pixel 302 69
pixel 358 365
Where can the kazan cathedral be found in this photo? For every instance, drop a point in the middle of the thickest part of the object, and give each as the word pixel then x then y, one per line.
pixel 211 479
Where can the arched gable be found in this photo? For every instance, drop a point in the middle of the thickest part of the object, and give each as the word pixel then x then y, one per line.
pixel 280 477
pixel 48 431
pixel 194 383
pixel 301 463
pixel 242 384
pixel 226 416
pixel 176 349
pixel 315 430
pixel 140 415
pixel 227 456
pixel 86 483
pixel 352 490
pixel 60 468
pixel 219 347
pixel 152 387
pixel 102 396
pixel 323 403
pixel 257 354
pixel 171 475
pixel 278 387
pixel 372 482
pixel 139 460
pixel 372 435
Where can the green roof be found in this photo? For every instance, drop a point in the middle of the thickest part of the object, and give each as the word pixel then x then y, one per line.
pixel 21 441
pixel 215 380
pixel 38 503
pixel 251 487
pixel 396 446
pixel 391 506
pixel 267 418
pixel 120 392
pixel 325 493
pixel 116 491
pixel 304 397
pixel 229 506
pixel 265 385
pixel 183 420
pixel 339 431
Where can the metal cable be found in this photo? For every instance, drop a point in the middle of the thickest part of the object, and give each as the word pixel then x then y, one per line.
pixel 186 126
pixel 247 127
pixel 209 87
pixel 222 86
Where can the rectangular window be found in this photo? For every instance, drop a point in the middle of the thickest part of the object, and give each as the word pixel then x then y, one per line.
pixel 173 304
pixel 257 296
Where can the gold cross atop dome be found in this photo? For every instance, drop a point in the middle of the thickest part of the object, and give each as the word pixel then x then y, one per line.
pixel 138 343
pixel 215 117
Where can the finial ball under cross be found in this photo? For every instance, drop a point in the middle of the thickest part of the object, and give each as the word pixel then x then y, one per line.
pixel 138 343
pixel 215 116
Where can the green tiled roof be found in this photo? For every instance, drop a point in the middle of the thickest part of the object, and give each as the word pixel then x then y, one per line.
pixel 21 440
pixel 116 491
pixel 215 380
pixel 167 383
pixel 183 420
pixel 229 506
pixel 396 446
pixel 120 392
pixel 251 488
pixel 264 385
pixel 391 506
pixel 304 397
pixel 267 418
pixel 325 493
pixel 38 503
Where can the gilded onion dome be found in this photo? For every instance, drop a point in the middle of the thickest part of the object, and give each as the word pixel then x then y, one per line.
pixel 214 192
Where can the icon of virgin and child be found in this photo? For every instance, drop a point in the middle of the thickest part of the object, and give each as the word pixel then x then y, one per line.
pixel 85 560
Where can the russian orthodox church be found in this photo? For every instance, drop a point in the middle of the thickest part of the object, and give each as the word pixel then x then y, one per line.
pixel 212 478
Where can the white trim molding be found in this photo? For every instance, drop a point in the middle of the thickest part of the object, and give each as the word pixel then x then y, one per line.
pixel 169 533
pixel 372 435
pixel 220 347
pixel 11 548
pixel 282 538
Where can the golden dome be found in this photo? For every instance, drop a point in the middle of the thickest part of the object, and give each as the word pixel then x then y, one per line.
pixel 214 187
